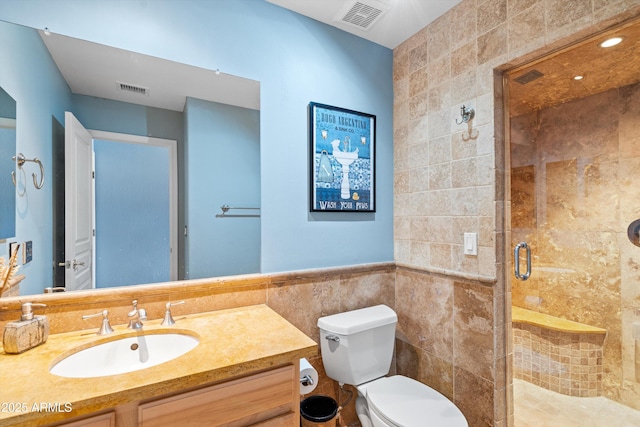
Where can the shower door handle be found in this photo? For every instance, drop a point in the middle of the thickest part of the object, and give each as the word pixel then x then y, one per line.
pixel 516 260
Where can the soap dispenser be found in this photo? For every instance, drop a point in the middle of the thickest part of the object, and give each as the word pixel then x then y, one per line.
pixel 28 332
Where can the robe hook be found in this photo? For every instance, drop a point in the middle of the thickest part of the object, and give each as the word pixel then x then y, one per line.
pixel 466 115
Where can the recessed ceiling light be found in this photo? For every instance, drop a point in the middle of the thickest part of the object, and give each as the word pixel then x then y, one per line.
pixel 578 77
pixel 611 42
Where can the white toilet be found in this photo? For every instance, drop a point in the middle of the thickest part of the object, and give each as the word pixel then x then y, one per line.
pixel 357 348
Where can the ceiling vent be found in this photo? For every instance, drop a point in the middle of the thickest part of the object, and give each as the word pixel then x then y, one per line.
pixel 362 14
pixel 529 77
pixel 126 87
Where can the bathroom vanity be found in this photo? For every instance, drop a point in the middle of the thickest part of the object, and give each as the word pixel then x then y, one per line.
pixel 244 371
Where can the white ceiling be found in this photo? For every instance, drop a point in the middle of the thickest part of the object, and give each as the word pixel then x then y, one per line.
pixel 94 70
pixel 399 19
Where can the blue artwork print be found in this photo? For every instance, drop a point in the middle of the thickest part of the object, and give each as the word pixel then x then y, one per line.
pixel 343 143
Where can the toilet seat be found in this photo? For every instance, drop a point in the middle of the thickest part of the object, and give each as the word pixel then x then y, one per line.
pixel 403 402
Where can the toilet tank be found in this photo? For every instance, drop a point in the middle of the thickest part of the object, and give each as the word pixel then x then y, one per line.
pixel 357 346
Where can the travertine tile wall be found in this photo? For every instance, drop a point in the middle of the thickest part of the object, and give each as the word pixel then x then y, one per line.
pixel 564 362
pixel 446 183
pixel 575 173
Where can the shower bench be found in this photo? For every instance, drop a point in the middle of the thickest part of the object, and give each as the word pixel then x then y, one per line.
pixel 557 354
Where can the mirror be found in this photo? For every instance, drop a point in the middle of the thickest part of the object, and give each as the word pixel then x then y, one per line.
pixel 7 165
pixel 211 117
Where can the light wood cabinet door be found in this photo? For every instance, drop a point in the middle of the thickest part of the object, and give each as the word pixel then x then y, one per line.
pixel 270 396
pixel 287 420
pixel 104 420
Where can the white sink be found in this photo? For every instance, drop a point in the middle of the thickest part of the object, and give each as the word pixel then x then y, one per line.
pixel 124 355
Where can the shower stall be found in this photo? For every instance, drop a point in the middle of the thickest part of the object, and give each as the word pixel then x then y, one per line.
pixel 575 169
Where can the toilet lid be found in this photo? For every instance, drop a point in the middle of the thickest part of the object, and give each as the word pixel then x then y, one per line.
pixel 408 403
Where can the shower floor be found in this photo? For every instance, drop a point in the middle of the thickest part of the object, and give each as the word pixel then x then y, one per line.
pixel 538 407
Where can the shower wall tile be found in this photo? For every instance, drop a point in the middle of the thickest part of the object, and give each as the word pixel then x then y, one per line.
pixel 567 363
pixel 628 189
pixel 523 197
pixel 523 137
pixel 629 128
pixel 583 269
pixel 561 196
pixel 603 211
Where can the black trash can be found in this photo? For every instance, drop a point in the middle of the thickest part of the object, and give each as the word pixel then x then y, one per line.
pixel 318 411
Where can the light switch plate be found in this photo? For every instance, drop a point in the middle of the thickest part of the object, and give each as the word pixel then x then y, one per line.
pixel 27 252
pixel 471 243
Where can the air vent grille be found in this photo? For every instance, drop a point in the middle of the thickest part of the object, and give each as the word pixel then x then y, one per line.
pixel 362 15
pixel 529 77
pixel 127 87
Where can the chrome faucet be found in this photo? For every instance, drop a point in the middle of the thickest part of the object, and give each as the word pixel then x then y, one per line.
pixel 168 318
pixel 106 328
pixel 136 316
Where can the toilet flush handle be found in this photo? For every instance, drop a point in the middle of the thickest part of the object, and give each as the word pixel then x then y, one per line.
pixel 333 338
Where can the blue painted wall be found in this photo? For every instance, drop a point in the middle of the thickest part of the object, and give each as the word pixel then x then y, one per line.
pixel 223 154
pixel 297 60
pixel 42 94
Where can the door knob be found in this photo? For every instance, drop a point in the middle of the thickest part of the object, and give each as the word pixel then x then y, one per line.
pixel 71 264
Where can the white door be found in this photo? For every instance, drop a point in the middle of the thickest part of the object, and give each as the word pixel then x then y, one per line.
pixel 78 205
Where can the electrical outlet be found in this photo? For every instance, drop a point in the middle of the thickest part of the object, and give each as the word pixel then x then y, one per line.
pixel 27 252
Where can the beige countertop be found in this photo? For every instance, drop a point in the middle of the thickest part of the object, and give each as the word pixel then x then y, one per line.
pixel 233 342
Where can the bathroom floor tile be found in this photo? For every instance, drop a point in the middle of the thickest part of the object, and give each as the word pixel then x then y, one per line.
pixel 539 407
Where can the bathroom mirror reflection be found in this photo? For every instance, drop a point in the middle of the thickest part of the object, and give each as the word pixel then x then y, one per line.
pixel 137 110
pixel 7 152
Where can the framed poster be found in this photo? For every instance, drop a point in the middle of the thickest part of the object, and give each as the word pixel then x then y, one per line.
pixel 342 159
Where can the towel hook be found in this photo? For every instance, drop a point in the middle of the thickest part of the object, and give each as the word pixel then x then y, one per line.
pixel 21 159
pixel 466 116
